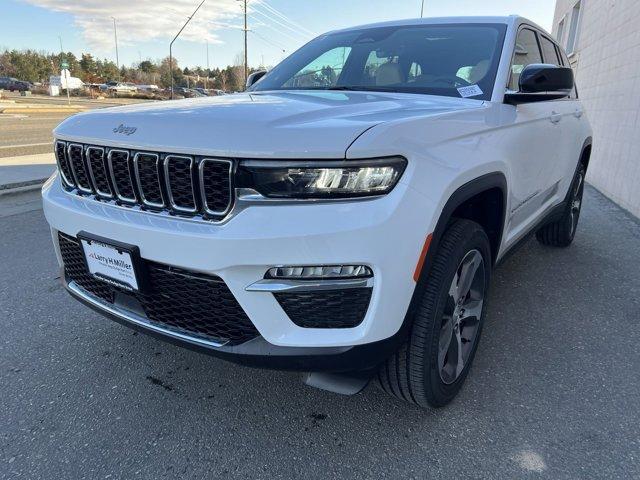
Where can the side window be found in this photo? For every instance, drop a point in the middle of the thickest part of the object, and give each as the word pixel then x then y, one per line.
pixel 526 52
pixel 549 51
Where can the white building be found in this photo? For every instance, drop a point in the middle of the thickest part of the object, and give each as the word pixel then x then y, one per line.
pixel 602 38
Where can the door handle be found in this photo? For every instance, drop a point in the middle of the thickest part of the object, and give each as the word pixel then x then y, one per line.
pixel 555 117
pixel 578 113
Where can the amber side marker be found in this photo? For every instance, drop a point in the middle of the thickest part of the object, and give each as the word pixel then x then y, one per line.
pixel 423 256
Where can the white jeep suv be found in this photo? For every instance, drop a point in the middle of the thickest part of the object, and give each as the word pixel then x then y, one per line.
pixel 341 218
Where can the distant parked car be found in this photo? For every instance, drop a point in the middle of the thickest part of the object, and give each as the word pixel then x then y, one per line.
pixel 121 88
pixel 148 88
pixel 187 92
pixel 13 84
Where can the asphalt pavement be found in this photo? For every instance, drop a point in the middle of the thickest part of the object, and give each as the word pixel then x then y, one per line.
pixel 30 133
pixel 554 392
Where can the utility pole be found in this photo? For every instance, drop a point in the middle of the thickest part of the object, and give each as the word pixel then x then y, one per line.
pixel 66 77
pixel 206 79
pixel 246 30
pixel 115 36
pixel 174 39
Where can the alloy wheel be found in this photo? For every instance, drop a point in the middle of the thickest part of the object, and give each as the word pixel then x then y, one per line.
pixel 461 318
pixel 576 202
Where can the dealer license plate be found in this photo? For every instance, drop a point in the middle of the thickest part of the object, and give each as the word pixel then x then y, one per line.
pixel 110 264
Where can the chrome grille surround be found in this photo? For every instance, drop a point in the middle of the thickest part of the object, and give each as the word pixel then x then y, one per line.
pixel 177 200
pixel 78 167
pixel 156 186
pixel 98 173
pixel 203 188
pixel 117 184
pixel 187 186
pixel 62 159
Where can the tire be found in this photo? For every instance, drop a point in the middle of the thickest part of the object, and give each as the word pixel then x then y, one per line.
pixel 562 232
pixel 420 372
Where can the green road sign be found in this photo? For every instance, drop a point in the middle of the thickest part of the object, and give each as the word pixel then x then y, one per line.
pixel 64 65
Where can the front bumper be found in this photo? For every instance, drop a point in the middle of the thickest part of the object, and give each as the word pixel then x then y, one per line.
pixel 256 353
pixel 385 234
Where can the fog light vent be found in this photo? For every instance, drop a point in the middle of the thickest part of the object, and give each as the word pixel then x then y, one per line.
pixel 320 272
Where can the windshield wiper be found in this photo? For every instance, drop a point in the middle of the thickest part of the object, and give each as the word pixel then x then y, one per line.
pixel 342 87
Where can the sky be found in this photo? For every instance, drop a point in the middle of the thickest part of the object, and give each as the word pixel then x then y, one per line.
pixel 276 27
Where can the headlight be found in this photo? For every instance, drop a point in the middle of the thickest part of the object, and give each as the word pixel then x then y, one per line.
pixel 322 179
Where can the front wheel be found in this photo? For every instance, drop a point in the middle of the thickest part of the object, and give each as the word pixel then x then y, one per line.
pixel 430 368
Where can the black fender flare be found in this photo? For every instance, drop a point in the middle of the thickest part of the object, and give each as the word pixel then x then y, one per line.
pixel 457 198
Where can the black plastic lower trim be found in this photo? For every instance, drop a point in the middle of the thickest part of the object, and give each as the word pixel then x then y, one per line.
pixel 258 353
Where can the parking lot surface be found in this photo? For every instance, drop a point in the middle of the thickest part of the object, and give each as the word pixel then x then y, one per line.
pixel 554 391
pixel 28 134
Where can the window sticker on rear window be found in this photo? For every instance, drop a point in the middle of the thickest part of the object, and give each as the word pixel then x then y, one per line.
pixel 470 91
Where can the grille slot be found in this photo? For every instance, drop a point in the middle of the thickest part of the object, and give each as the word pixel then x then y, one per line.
pixel 121 175
pixel 75 155
pixel 98 172
pixel 63 164
pixel 215 185
pixel 188 186
pixel 179 173
pixel 344 308
pixel 148 176
pixel 200 306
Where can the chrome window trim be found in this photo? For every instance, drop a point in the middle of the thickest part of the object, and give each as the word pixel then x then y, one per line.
pixel 132 317
pixel 203 195
pixel 73 168
pixel 113 177
pixel 285 285
pixel 65 180
pixel 107 195
pixel 172 203
pixel 137 174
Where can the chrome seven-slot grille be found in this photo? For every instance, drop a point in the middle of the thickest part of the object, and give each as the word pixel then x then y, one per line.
pixel 174 183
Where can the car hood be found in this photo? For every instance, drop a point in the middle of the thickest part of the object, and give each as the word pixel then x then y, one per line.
pixel 301 124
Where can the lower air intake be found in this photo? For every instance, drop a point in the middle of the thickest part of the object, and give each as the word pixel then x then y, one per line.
pixel 200 306
pixel 344 308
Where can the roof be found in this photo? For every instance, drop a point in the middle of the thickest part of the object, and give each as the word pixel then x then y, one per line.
pixel 506 20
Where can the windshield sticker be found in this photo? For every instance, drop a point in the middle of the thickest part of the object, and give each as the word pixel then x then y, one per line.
pixel 470 91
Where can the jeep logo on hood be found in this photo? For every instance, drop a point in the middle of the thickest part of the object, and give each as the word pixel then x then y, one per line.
pixel 125 130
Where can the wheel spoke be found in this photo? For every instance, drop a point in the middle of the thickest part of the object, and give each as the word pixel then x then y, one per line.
pixel 446 334
pixel 467 274
pixel 454 291
pixel 473 309
pixel 576 192
pixel 460 361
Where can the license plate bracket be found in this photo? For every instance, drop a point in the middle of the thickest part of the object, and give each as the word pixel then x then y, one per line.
pixel 114 262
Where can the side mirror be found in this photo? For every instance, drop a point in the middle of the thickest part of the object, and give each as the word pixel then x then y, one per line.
pixel 539 82
pixel 254 78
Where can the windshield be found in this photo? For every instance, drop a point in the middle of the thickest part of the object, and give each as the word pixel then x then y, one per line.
pixel 456 60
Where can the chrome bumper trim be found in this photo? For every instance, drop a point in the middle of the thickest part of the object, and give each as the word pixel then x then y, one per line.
pixel 282 285
pixel 132 317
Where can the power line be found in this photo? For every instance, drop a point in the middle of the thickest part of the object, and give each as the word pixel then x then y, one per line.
pixel 174 39
pixel 271 42
pixel 275 20
pixel 285 18
pixel 280 31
